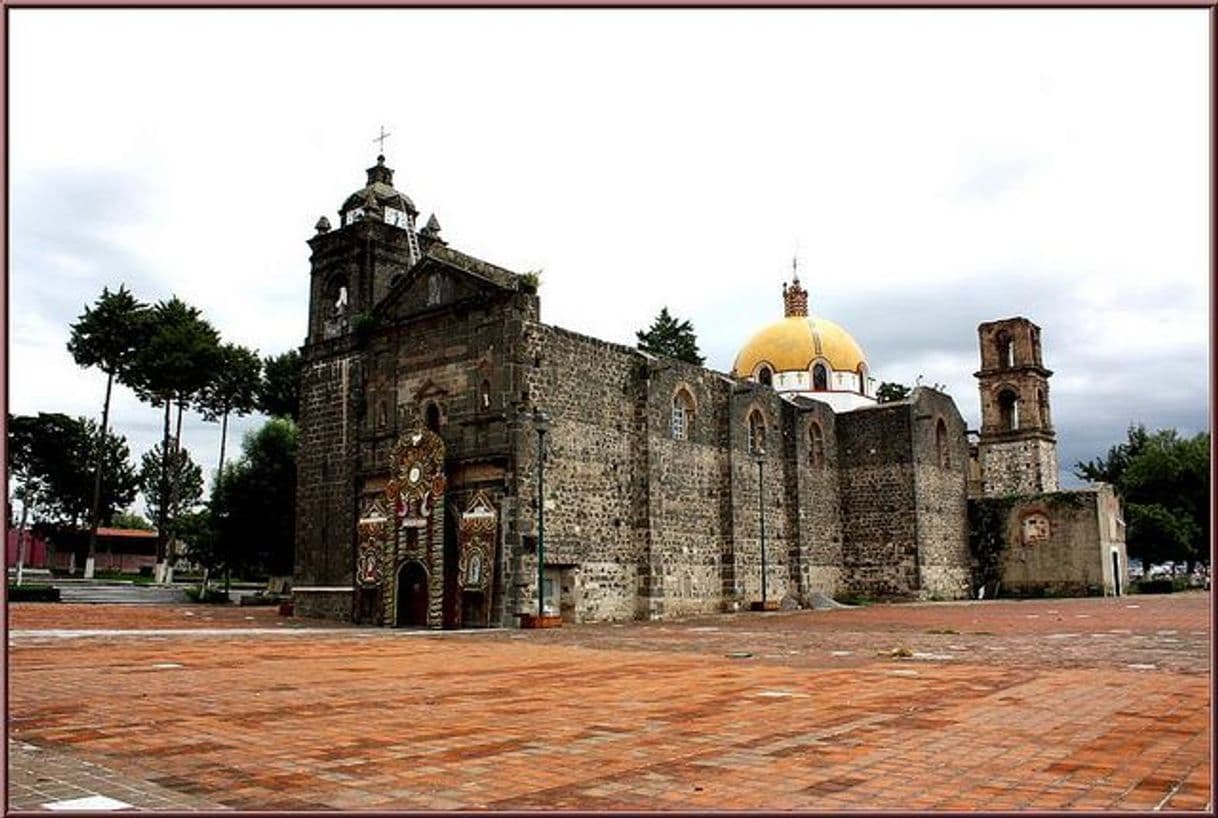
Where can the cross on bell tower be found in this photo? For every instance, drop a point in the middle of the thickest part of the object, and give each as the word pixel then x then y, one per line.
pixel 381 139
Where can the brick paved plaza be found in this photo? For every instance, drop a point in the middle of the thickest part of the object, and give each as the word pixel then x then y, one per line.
pixel 1047 704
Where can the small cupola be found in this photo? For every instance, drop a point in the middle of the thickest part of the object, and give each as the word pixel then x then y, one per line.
pixel 380 172
pixel 379 200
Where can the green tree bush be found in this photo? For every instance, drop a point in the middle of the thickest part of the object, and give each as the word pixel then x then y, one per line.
pixel 1164 480
pixel 668 336
pixel 279 394
pixel 889 392
pixel 254 506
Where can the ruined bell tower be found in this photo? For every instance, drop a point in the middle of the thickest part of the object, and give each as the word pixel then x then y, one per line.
pixel 1017 447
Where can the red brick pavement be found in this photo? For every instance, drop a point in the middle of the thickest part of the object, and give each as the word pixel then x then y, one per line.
pixel 821 716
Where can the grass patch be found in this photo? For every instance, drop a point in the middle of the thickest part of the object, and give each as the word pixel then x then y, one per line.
pixel 214 596
pixel 944 631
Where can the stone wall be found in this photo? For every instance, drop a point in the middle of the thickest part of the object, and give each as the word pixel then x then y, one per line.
pixel 879 526
pixel 1019 466
pixel 331 375
pixel 940 454
pixel 686 490
pixel 322 603
pixel 1052 544
pixel 815 507
pixel 595 472
pixel 752 492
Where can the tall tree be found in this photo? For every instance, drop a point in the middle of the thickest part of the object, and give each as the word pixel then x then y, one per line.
pixel 1164 480
pixel 107 336
pixel 254 507
pixel 668 336
pixel 279 395
pixel 178 358
pixel 889 392
pixel 27 483
pixel 1111 468
pixel 45 454
pixel 184 473
pixel 196 530
pixel 233 390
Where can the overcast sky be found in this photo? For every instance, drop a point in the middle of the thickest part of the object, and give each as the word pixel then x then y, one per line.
pixel 933 170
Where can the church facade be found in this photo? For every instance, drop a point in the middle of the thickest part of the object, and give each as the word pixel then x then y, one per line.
pixel 444 428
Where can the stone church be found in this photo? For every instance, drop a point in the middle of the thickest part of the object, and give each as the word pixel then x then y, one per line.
pixel 444 427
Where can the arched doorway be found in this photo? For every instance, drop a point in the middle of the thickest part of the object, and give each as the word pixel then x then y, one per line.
pixel 411 596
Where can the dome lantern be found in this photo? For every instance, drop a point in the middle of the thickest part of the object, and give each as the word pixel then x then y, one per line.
pixel 802 354
pixel 794 297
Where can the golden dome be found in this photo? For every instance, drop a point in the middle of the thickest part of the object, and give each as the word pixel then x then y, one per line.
pixel 793 343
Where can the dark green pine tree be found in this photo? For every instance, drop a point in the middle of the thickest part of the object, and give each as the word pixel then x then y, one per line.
pixel 233 390
pixel 179 357
pixel 107 335
pixel 279 393
pixel 668 336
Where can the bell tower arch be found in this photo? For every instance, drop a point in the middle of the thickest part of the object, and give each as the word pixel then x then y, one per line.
pixel 354 263
pixel 1017 446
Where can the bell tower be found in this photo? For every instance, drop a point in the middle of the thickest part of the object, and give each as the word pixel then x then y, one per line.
pixel 1017 447
pixel 353 265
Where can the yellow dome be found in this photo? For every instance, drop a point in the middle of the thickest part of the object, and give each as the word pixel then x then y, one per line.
pixel 791 344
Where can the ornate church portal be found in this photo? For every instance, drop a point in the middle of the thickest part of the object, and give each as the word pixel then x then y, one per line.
pixel 417 566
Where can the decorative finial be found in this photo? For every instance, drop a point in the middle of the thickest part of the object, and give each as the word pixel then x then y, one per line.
pixel 795 268
pixel 323 225
pixel 431 231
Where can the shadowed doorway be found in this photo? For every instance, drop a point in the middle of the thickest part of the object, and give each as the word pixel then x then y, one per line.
pixel 412 596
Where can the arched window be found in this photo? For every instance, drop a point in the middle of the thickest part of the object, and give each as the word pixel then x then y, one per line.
pixel 431 417
pixel 765 376
pixel 862 379
pixel 1036 346
pixel 484 394
pixel 682 414
pixel 336 295
pixel 820 378
pixel 945 458
pixel 1008 410
pixel 1006 349
pixel 756 432
pixel 816 449
pixel 1042 408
